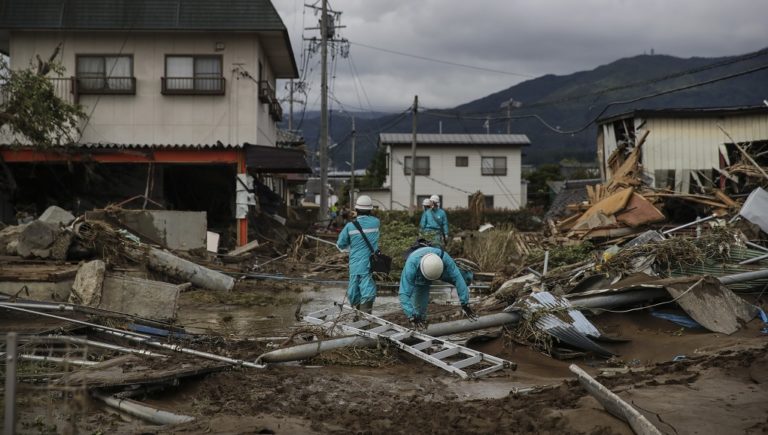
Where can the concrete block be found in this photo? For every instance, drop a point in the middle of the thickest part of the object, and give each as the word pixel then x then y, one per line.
pixel 61 245
pixel 56 215
pixel 35 236
pixel 86 290
pixel 140 297
pixel 177 230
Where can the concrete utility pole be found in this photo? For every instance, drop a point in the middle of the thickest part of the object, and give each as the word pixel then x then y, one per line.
pixel 413 154
pixel 352 167
pixel 324 112
pixel 509 104
pixel 290 111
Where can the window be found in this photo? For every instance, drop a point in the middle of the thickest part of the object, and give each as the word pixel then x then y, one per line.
pixel 494 166
pixel 487 201
pixel 193 75
pixel 462 161
pixel 422 165
pixel 105 74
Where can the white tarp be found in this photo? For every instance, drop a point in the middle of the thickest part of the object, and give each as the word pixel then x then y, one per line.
pixel 243 197
pixel 755 208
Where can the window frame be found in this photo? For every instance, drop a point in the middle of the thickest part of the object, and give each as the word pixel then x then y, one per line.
pixel 194 90
pixel 105 90
pixel 494 170
pixel 419 171
pixel 465 161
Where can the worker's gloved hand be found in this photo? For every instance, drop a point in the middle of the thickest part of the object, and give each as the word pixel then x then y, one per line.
pixel 467 311
pixel 417 322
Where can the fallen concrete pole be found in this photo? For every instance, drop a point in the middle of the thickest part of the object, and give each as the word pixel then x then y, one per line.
pixel 57 360
pixel 743 277
pixel 610 300
pixel 144 412
pixel 200 276
pixel 614 404
pixel 305 351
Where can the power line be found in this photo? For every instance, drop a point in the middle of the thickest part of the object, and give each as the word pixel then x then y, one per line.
pixel 459 115
pixel 445 62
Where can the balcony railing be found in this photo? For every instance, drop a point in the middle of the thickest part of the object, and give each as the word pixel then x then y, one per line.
pixel 276 110
pixel 266 92
pixel 193 85
pixel 102 85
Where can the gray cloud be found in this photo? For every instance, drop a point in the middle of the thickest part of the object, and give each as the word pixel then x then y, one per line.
pixel 523 36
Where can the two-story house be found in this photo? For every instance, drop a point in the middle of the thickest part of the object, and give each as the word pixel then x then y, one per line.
pixel 453 166
pixel 179 97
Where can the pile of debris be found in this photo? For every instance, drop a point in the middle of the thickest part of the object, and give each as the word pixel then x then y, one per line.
pixel 625 205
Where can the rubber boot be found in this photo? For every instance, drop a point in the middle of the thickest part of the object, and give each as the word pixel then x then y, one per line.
pixel 366 307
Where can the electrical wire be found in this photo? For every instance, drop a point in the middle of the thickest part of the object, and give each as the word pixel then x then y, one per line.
pixel 607 106
pixel 445 62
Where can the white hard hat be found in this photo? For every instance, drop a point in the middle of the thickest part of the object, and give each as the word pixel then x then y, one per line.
pixel 431 266
pixel 435 199
pixel 427 202
pixel 364 203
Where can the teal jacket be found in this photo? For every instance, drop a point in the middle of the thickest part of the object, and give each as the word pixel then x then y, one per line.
pixel 359 254
pixel 412 281
pixel 434 220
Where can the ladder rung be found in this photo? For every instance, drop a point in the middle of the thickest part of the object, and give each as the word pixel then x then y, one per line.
pixel 446 353
pixel 380 329
pixel 467 362
pixel 423 345
pixel 359 324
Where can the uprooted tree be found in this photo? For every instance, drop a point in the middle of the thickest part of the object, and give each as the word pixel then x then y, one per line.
pixel 31 111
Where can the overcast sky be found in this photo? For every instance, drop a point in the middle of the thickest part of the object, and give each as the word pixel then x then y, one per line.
pixel 519 38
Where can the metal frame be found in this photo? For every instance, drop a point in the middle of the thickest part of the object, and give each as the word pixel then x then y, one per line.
pixel 397 335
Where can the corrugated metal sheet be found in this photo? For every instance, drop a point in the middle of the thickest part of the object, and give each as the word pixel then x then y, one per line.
pixel 254 15
pixel 454 139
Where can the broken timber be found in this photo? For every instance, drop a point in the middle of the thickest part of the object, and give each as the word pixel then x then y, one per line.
pixel 433 350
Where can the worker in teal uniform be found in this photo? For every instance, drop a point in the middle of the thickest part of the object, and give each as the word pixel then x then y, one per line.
pixel 362 288
pixel 423 266
pixel 434 222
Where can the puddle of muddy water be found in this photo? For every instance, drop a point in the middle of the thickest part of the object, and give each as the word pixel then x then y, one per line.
pixel 278 317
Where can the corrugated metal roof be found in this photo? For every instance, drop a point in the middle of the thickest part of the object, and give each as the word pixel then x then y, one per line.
pixel 223 15
pixel 686 112
pixel 454 139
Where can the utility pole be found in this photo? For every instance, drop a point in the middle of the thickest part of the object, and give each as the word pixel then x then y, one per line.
pixel 290 110
pixel 509 104
pixel 324 112
pixel 352 167
pixel 328 26
pixel 413 154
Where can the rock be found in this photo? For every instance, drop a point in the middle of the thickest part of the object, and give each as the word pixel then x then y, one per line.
pixel 10 235
pixel 57 216
pixel 88 284
pixel 35 236
pixel 60 247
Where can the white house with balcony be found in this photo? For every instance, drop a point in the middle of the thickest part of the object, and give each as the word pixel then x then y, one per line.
pixel 179 97
pixel 453 166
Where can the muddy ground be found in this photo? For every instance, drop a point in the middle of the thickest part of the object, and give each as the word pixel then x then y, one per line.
pixel 718 386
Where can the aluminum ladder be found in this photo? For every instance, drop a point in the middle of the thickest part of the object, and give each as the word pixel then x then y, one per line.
pixel 448 356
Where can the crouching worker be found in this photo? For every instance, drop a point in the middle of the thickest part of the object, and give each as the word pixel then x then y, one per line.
pixel 362 289
pixel 423 266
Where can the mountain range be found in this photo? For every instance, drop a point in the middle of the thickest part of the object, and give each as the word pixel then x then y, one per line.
pixel 566 102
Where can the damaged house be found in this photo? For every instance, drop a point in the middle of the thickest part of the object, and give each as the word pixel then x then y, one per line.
pixel 687 150
pixel 180 107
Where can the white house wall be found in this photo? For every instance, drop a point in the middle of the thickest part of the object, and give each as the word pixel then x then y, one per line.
pixel 685 144
pixel 456 183
pixel 150 117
